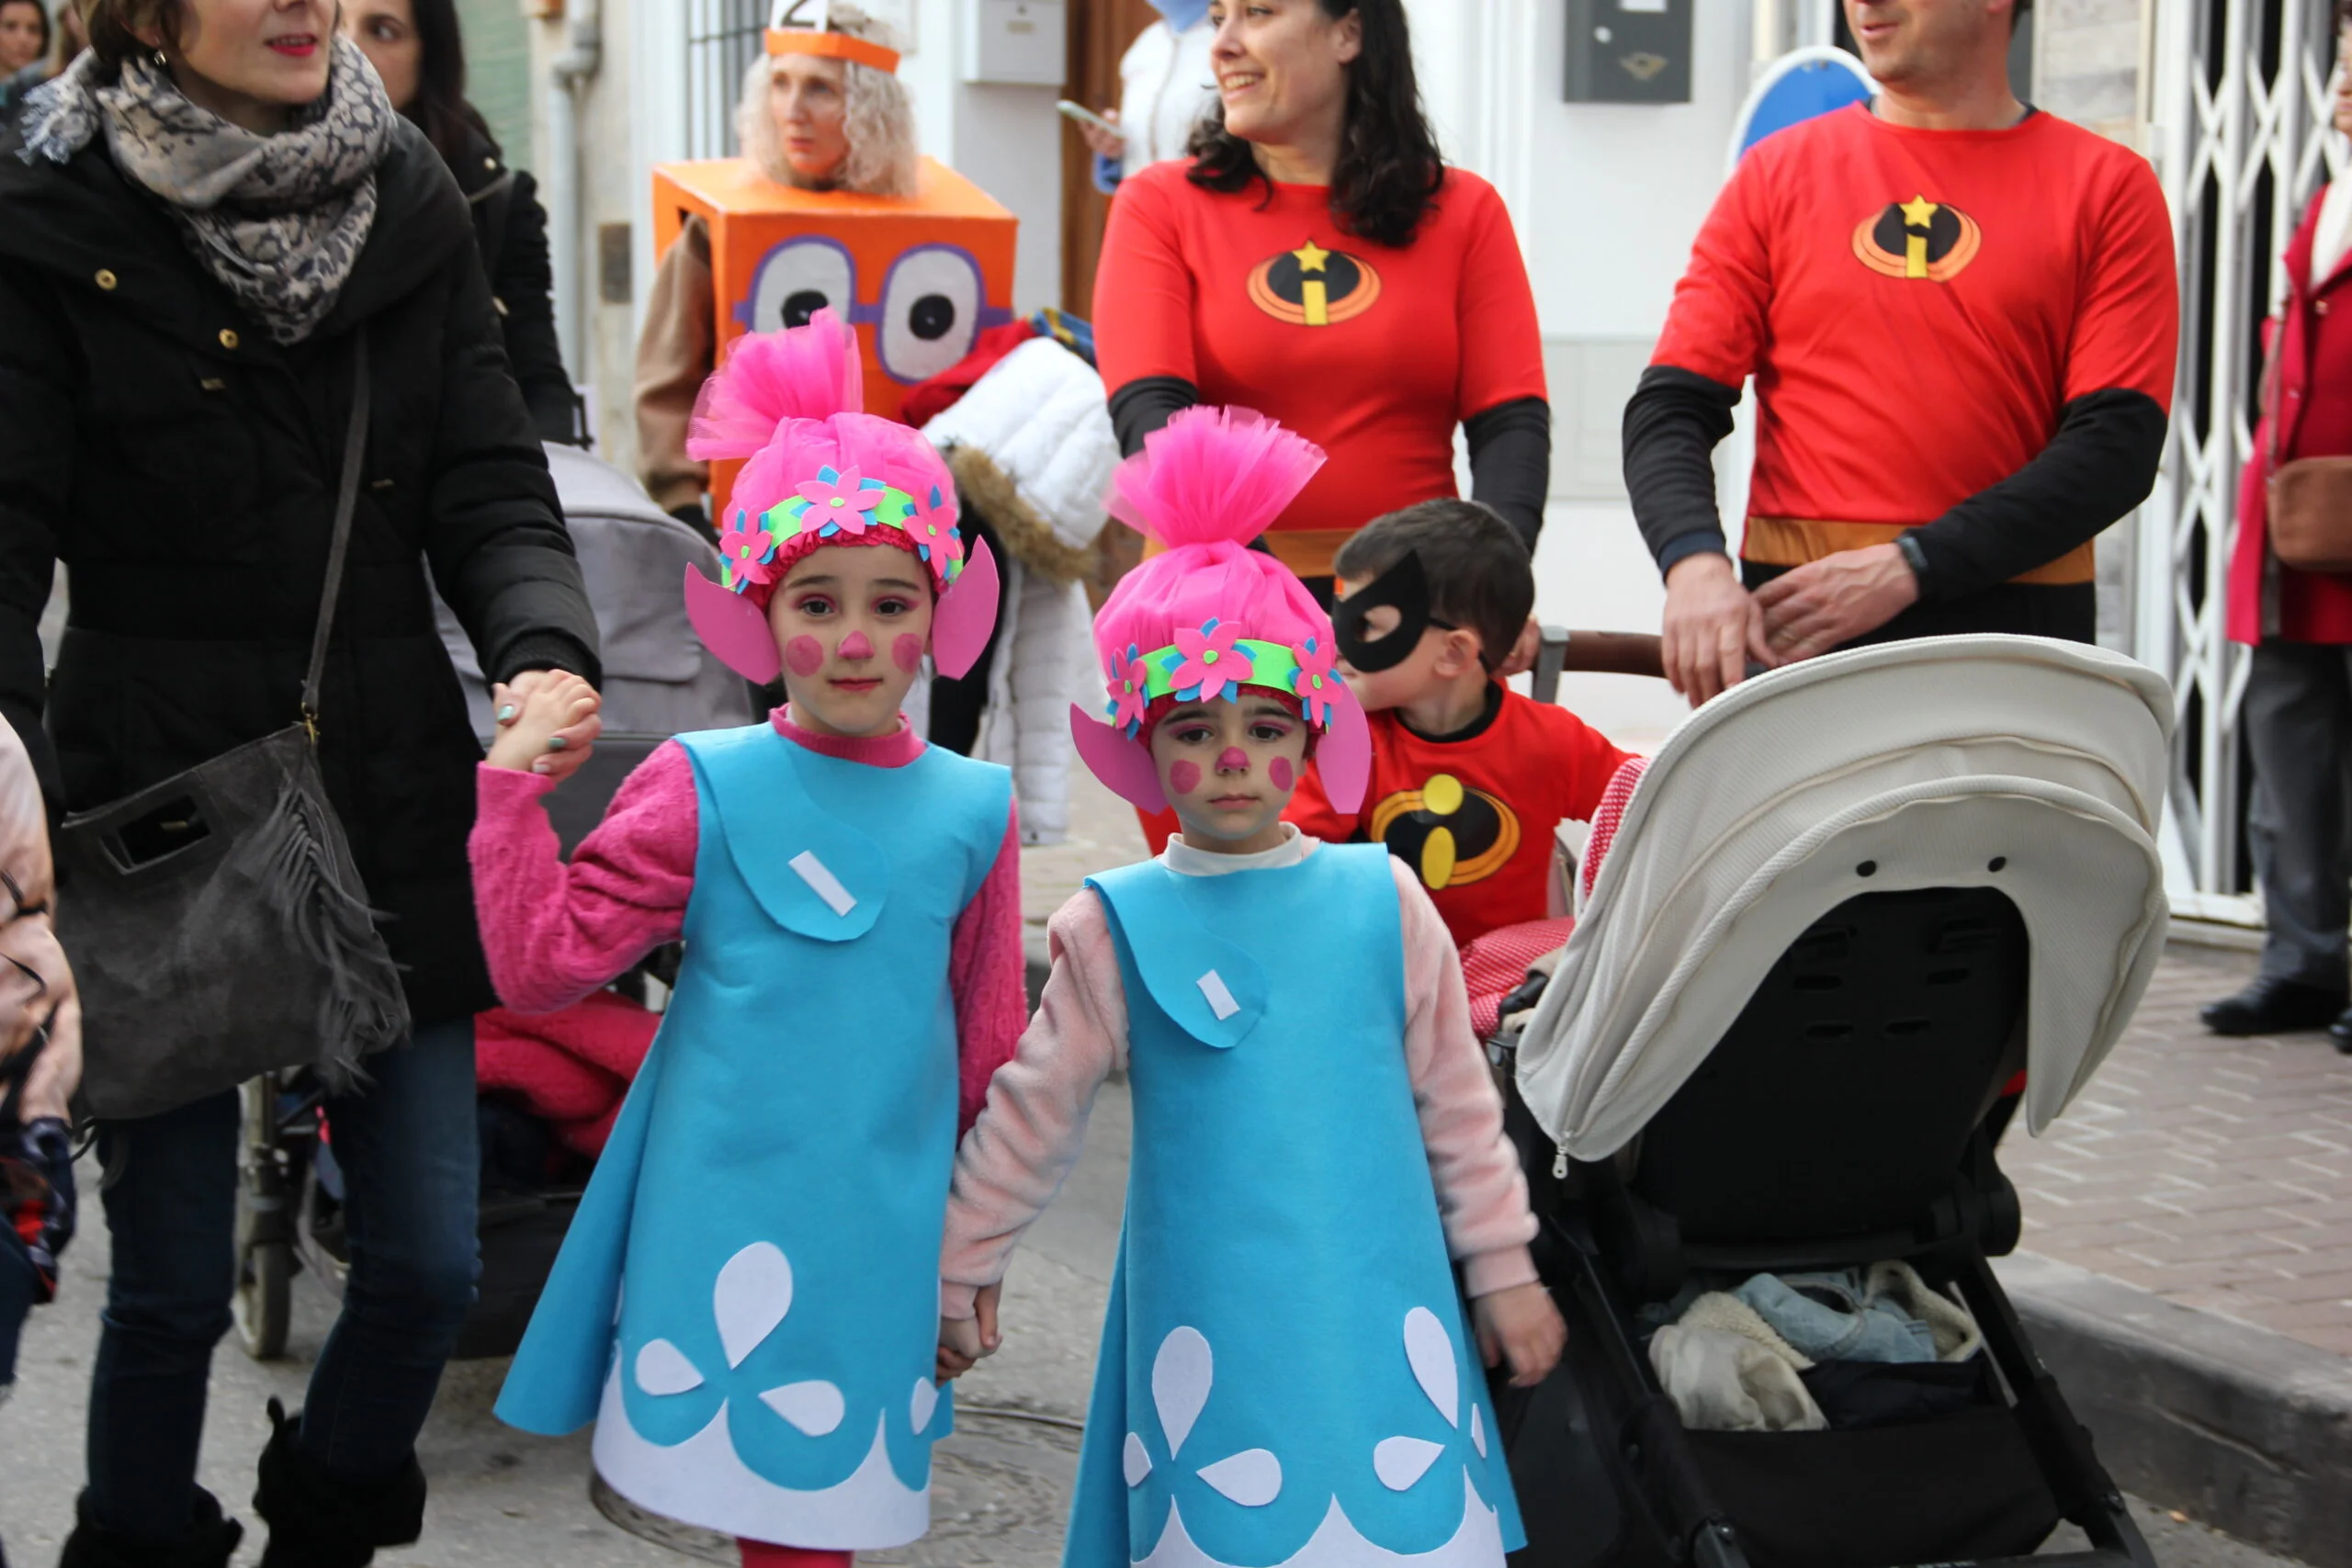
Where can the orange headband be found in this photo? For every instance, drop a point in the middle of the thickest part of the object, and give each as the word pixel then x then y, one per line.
pixel 833 46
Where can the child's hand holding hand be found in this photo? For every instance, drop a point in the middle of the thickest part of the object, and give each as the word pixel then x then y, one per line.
pixel 1522 1324
pixel 553 715
pixel 963 1341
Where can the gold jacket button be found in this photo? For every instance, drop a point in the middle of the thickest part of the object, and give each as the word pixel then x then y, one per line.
pixel 106 280
pixel 228 338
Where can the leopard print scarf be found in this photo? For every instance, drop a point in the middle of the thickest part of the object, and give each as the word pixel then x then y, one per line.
pixel 279 220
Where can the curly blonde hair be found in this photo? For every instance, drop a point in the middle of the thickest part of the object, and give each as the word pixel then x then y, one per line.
pixel 879 124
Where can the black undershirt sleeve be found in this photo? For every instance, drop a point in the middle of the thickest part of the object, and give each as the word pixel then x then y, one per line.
pixel 1510 462
pixel 1673 422
pixel 1146 403
pixel 2100 464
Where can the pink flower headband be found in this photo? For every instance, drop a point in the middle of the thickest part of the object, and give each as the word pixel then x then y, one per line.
pixel 1210 616
pixel 818 473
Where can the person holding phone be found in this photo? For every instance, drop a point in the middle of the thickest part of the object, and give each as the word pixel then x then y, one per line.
pixel 1166 83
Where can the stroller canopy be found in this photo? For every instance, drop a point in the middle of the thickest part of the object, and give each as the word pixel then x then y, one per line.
pixel 2030 766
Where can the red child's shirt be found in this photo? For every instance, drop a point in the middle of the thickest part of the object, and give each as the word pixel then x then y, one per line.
pixel 1474 813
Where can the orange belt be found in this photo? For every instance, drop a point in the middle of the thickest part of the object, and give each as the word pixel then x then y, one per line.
pixel 1785 541
pixel 1306 551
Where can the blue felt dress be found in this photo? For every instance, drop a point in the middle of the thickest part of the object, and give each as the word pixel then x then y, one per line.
pixel 1286 1377
pixel 747 1303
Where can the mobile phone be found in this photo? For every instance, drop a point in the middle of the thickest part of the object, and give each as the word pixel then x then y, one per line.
pixel 1085 116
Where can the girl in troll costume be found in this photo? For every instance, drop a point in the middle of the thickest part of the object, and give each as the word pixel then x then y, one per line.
pixel 746 1304
pixel 1286 1376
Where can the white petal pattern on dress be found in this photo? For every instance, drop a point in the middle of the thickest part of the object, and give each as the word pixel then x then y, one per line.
pixel 923 1404
pixel 753 1292
pixel 1479 1430
pixel 1430 1350
pixel 815 1407
pixel 1400 1462
pixel 663 1367
pixel 1136 1462
pixel 1181 1376
pixel 1253 1478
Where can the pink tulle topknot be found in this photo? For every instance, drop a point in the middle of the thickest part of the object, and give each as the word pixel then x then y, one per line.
pixel 1204 486
pixel 789 403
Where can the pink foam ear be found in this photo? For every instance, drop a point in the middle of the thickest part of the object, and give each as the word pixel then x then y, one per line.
pixel 1122 764
pixel 732 627
pixel 966 618
pixel 1344 754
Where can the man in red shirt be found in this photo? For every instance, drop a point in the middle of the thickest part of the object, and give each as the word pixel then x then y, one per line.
pixel 1961 314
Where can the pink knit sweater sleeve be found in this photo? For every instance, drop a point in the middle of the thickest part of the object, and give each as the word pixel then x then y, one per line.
pixel 1481 1192
pixel 554 931
pixel 1032 1127
pixel 988 972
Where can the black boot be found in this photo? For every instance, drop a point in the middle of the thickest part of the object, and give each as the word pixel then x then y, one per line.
pixel 319 1519
pixel 2274 1007
pixel 2341 1031
pixel 208 1542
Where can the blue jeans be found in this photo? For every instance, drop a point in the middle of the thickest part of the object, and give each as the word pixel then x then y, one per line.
pixel 408 1149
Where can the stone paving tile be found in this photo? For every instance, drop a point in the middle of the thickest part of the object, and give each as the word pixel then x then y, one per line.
pixel 2217 1173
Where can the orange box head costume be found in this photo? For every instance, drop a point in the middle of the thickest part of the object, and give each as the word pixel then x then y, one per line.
pixel 919 276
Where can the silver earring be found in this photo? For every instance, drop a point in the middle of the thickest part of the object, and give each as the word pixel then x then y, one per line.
pixel 162 62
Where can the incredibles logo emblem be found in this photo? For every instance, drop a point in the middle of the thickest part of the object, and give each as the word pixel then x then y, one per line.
pixel 1452 835
pixel 1311 286
pixel 1918 239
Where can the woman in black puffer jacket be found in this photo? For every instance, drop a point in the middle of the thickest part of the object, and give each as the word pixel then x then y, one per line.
pixel 205 215
pixel 419 52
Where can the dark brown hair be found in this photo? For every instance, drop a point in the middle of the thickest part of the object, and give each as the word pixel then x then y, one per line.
pixel 1478 572
pixel 1389 170
pixel 441 109
pixel 115 24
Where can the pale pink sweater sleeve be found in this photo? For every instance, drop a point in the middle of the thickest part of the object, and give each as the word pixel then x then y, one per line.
pixel 1034 1125
pixel 553 931
pixel 988 972
pixel 1481 1192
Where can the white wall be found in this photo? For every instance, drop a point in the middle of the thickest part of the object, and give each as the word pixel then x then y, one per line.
pixel 1607 198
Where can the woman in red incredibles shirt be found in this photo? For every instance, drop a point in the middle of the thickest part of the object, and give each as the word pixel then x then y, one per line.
pixel 1317 261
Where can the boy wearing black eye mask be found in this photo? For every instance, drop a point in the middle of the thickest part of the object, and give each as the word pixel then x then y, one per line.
pixel 1469 779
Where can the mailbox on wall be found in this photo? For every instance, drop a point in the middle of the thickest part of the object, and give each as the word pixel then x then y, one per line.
pixel 1629 51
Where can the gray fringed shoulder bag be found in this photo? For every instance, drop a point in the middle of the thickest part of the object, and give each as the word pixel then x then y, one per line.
pixel 216 921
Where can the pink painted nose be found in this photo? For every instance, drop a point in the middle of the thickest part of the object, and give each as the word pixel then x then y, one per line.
pixel 855 646
pixel 1234 760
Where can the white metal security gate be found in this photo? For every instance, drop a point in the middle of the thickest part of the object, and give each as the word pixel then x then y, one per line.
pixel 2241 108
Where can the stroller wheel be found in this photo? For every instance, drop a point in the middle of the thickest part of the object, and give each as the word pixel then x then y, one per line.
pixel 264 1304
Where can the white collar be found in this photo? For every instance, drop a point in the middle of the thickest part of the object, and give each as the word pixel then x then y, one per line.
pixel 1187 860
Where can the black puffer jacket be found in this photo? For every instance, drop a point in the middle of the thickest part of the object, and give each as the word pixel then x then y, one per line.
pixel 511 231
pixel 183 465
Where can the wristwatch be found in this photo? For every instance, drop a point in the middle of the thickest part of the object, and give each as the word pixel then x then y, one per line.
pixel 1916 557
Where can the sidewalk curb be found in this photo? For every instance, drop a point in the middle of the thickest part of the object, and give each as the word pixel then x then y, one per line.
pixel 2243 1430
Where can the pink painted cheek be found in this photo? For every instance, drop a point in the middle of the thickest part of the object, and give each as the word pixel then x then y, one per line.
pixel 855 646
pixel 804 656
pixel 907 652
pixel 1233 761
pixel 1280 770
pixel 1184 777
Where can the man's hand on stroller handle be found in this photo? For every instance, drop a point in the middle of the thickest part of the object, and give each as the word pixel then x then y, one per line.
pixel 963 1341
pixel 1522 1324
pixel 548 721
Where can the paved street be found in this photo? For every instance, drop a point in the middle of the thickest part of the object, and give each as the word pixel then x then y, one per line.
pixel 2217 1173
pixel 501 1498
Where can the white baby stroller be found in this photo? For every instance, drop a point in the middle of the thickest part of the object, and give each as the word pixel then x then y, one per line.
pixel 1849 905
pixel 658 682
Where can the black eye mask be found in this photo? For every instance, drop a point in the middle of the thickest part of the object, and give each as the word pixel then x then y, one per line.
pixel 1404 588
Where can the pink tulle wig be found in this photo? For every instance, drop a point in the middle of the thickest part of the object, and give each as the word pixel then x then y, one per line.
pixel 1209 615
pixel 817 473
